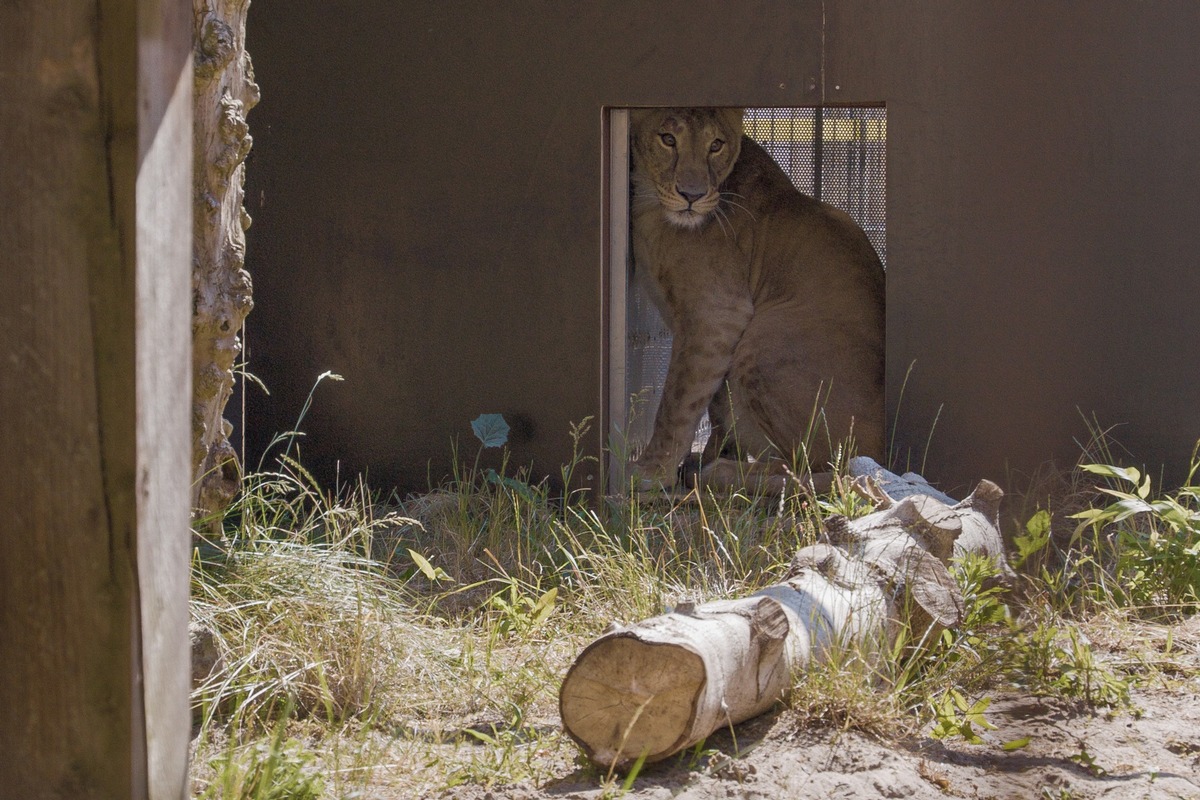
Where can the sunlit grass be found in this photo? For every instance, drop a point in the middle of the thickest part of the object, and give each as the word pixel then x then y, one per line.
pixel 418 645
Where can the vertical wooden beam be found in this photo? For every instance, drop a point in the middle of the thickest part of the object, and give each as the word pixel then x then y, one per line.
pixel 163 348
pixel 614 298
pixel 94 388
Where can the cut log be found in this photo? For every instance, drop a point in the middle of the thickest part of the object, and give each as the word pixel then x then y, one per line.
pixel 976 518
pixel 650 688
pixel 656 687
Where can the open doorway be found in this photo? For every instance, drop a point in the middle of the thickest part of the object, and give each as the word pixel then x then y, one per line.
pixel 837 154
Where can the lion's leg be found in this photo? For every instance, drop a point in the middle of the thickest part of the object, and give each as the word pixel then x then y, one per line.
pixel 771 476
pixel 721 442
pixel 675 422
pixel 700 357
pixel 805 387
pixel 725 465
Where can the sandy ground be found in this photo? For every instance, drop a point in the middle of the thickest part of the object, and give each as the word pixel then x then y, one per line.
pixel 1152 751
pixel 1071 754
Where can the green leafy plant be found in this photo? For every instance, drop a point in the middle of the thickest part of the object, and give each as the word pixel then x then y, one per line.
pixel 954 715
pixel 1149 544
pixel 1050 656
pixel 971 655
pixel 1088 761
pixel 1035 538
pixel 519 612
pixel 431 573
pixel 276 768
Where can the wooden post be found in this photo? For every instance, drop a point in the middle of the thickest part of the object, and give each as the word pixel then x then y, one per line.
pixel 95 383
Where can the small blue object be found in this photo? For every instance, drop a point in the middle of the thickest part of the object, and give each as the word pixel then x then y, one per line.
pixel 491 429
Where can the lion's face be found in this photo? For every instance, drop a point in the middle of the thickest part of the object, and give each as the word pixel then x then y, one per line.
pixel 682 155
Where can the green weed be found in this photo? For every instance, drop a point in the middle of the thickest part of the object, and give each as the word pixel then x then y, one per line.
pixel 272 768
pixel 954 716
pixel 1147 546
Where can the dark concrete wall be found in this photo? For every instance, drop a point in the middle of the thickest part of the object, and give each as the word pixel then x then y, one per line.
pixel 426 188
pixel 1043 195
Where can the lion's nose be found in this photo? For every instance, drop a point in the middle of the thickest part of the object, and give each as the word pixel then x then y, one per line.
pixel 691 197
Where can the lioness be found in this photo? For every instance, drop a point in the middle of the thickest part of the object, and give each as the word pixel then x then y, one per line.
pixel 774 299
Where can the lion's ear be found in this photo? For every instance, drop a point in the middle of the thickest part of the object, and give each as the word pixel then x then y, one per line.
pixel 731 119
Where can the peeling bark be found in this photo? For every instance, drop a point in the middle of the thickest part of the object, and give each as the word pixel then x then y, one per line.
pixel 660 685
pixel 225 92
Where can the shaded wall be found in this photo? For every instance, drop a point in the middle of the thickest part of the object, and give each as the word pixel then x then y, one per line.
pixel 1043 192
pixel 426 188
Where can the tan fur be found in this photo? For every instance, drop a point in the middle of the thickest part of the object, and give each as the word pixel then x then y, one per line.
pixel 774 300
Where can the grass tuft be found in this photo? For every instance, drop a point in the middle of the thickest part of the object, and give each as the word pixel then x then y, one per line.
pixel 365 646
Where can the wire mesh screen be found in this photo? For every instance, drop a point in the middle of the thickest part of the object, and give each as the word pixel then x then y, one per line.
pixel 647 355
pixel 849 144
pixel 836 154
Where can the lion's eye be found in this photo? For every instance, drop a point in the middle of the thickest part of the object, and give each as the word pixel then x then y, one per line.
pixel 716 146
pixel 667 139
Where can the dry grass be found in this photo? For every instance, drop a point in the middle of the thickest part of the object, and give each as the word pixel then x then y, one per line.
pixel 442 668
pixel 352 667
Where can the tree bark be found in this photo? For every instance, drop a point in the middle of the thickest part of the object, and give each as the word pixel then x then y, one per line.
pixel 225 92
pixel 661 685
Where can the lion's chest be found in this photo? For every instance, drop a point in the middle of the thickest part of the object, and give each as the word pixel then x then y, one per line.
pixel 690 274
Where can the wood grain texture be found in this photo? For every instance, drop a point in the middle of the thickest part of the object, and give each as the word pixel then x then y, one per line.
pixel 88 422
pixel 163 343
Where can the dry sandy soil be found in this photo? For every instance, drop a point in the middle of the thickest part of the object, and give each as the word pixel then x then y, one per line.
pixel 1071 754
pixel 1152 751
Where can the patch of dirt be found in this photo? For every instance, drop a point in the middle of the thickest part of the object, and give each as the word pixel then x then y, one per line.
pixel 1072 753
pixel 1151 751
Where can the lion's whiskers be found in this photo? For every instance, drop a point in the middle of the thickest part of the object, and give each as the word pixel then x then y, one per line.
pixel 721 219
pixel 642 201
pixel 725 197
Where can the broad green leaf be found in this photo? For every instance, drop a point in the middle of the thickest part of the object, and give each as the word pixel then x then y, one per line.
pixel 969 735
pixel 1039 525
pixel 544 606
pixel 491 429
pixel 1038 528
pixel 481 736
pixel 975 715
pixel 1130 506
pixel 427 569
pixel 1130 474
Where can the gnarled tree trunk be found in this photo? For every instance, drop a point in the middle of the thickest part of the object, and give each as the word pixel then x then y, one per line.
pixel 221 297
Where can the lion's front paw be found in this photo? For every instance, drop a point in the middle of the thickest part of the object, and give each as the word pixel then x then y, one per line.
pixel 650 477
